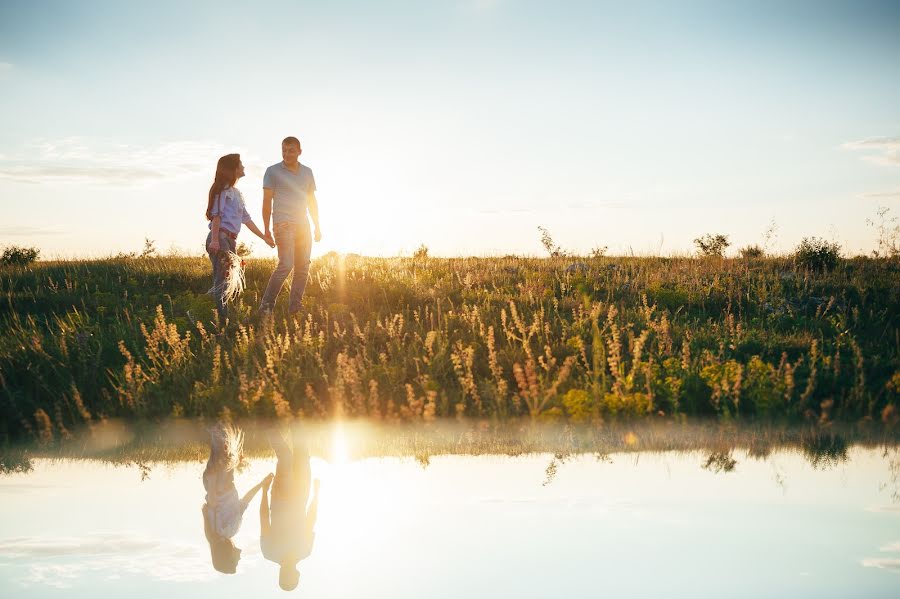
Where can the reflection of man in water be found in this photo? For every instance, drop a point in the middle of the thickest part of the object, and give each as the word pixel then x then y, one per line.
pixel 286 528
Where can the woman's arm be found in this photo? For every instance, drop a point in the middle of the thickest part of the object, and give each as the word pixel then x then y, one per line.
pixel 263 484
pixel 207 525
pixel 214 242
pixel 252 226
pixel 248 497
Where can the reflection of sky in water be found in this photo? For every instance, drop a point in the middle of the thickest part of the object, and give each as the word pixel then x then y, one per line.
pixel 640 524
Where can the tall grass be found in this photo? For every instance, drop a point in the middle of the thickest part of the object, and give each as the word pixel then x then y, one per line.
pixel 417 339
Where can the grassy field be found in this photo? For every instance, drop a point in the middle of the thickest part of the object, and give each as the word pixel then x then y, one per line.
pixel 419 339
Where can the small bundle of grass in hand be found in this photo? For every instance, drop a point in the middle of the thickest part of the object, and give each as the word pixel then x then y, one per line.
pixel 234 282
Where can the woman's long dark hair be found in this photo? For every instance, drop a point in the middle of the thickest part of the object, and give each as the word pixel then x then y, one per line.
pixel 226 176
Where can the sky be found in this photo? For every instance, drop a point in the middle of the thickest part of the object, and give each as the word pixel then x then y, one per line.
pixel 459 124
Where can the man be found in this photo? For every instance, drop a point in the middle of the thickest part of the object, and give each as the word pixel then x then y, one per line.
pixel 289 192
pixel 286 528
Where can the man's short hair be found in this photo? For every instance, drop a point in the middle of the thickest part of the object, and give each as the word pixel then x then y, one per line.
pixel 291 140
pixel 288 577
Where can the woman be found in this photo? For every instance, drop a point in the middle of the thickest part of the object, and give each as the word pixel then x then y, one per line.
pixel 224 510
pixel 226 212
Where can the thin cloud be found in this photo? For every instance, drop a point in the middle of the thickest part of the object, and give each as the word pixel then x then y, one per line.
pixel 884 563
pixel 111 555
pixel 595 205
pixel 874 142
pixel 886 149
pixel 79 161
pixel 882 195
pixel 481 6
pixel 100 544
pixel 15 488
pixel 24 231
pixel 508 210
pixel 553 207
pixel 35 174
pixel 884 508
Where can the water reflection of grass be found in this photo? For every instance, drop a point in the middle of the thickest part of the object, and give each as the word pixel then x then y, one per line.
pixel 825 450
pixel 186 441
pixel 720 461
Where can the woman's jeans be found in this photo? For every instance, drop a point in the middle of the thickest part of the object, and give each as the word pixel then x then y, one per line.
pixel 294 243
pixel 220 263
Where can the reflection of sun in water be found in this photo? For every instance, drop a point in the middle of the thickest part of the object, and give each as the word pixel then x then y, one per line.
pixel 339 451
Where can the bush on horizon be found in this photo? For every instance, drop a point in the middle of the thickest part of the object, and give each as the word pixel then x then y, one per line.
pixel 19 256
pixel 712 245
pixel 815 253
pixel 752 252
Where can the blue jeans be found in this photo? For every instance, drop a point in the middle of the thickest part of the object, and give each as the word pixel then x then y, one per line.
pixel 294 243
pixel 220 269
pixel 292 470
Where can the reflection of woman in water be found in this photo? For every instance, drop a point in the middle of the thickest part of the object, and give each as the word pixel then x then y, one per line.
pixel 223 511
pixel 286 529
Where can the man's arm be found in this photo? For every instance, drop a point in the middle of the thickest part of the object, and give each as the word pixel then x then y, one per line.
pixel 207 525
pixel 264 512
pixel 268 194
pixel 313 512
pixel 313 205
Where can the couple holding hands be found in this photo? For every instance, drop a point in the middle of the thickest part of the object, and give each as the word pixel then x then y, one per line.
pixel 289 193
pixel 287 524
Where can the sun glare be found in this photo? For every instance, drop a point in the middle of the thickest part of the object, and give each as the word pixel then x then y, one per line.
pixel 339 449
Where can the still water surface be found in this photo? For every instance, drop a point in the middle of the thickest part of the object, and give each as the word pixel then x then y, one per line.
pixel 629 524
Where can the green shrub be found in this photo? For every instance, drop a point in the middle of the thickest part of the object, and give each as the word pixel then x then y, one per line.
pixel 552 248
pixel 751 252
pixel 712 245
pixel 724 381
pixel 578 405
pixel 149 248
pixel 764 387
pixel 243 249
pixel 19 256
pixel 815 253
